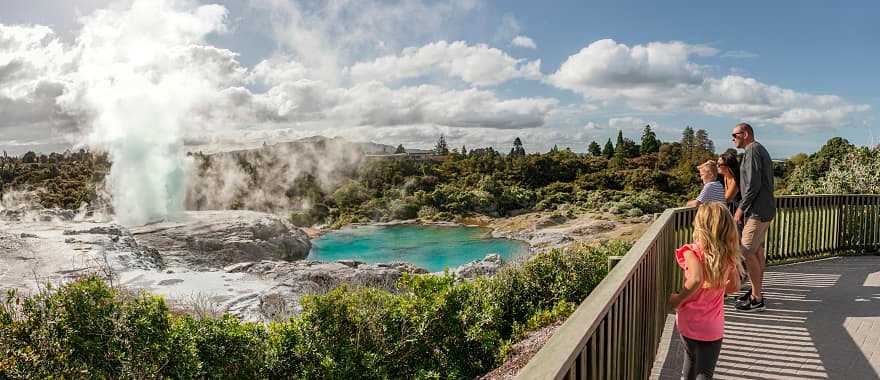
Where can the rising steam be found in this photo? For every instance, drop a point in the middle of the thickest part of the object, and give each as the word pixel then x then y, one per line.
pixel 135 79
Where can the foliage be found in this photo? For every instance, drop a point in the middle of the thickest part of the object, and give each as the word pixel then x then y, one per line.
pixel 517 150
pixel 441 147
pixel 350 195
pixel 479 181
pixel 847 170
pixel 608 150
pixel 434 326
pixel 650 144
pixel 594 149
pixel 60 180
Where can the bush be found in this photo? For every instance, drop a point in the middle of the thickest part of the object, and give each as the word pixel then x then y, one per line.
pixel 350 195
pixel 434 326
pixel 301 219
pixel 226 347
pixel 403 210
pixel 515 197
pixel 87 327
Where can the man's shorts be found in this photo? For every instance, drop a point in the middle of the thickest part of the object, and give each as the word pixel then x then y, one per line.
pixel 753 235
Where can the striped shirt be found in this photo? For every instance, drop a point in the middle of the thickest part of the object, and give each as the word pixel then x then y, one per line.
pixel 712 192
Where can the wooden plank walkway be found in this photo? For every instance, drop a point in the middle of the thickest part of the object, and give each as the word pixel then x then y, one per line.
pixel 822 322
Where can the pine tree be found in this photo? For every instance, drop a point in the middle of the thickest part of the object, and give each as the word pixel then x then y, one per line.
pixel 594 149
pixel 703 142
pixel 399 149
pixel 650 144
pixel 619 140
pixel 608 151
pixel 517 150
pixel 463 151
pixel 688 143
pixel 441 148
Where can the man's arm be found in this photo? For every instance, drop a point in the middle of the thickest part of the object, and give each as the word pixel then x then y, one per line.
pixel 751 180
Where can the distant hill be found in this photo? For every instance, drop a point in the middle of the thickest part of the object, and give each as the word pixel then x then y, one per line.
pixel 370 148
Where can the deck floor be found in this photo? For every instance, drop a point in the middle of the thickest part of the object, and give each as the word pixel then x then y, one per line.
pixel 822 322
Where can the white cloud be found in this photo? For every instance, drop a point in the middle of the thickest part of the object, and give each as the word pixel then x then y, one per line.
pixel 606 67
pixel 32 65
pixel 479 64
pixel 660 76
pixel 279 69
pixel 524 42
pixel 374 104
pixel 632 126
pixel 739 54
pixel 627 123
pixel 328 36
pixel 508 28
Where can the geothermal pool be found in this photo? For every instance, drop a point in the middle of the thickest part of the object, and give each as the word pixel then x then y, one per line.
pixel 430 247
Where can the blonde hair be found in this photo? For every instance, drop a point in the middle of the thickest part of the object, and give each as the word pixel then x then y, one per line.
pixel 716 234
pixel 710 165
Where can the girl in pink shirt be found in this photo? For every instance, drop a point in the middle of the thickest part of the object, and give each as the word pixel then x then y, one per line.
pixel 712 268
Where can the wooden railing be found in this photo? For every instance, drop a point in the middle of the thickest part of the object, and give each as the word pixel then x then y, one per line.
pixel 615 332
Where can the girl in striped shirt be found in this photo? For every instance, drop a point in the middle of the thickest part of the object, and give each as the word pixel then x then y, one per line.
pixel 713 191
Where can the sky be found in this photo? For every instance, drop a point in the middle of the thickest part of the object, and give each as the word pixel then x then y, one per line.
pixel 224 74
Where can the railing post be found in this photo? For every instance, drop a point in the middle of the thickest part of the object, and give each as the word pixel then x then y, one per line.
pixel 612 261
pixel 840 220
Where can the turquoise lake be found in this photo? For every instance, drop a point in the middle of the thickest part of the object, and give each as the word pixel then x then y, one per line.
pixel 431 247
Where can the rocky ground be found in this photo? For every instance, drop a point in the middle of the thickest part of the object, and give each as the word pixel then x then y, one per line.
pixel 553 229
pixel 248 263
pixel 523 351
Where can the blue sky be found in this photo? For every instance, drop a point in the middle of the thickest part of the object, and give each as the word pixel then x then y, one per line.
pixel 406 71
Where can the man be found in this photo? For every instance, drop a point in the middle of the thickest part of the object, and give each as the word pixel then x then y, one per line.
pixel 757 208
pixel 713 191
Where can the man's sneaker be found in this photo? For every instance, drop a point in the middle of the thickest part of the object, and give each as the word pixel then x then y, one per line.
pixel 743 298
pixel 752 306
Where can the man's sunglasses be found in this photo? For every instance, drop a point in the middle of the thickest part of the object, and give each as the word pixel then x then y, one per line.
pixel 734 135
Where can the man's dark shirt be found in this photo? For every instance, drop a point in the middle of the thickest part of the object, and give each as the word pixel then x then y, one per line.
pixel 756 184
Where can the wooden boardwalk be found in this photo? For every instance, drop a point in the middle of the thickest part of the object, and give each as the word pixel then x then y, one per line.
pixel 822 322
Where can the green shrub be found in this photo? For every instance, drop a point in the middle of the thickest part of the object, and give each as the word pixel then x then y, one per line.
pixel 87 327
pixel 301 219
pixel 226 347
pixel 403 210
pixel 350 195
pixel 434 326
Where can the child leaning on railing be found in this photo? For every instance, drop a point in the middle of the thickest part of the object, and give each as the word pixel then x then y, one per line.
pixel 712 268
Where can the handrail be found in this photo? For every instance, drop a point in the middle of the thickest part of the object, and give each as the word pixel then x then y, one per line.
pixel 615 331
pixel 569 337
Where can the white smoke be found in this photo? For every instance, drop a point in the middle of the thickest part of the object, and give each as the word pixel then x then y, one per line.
pixel 266 179
pixel 136 80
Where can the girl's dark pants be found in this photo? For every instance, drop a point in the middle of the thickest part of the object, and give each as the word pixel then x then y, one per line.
pixel 700 358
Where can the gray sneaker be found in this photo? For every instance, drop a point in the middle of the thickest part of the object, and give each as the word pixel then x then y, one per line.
pixel 743 298
pixel 752 306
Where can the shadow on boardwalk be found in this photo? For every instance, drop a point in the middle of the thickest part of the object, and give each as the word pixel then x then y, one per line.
pixel 822 322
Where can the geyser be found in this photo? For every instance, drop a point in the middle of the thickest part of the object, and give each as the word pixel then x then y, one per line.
pixel 138 77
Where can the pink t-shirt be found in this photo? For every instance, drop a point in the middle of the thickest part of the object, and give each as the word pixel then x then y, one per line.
pixel 701 316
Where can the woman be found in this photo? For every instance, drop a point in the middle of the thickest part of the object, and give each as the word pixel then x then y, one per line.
pixel 728 168
pixel 712 268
